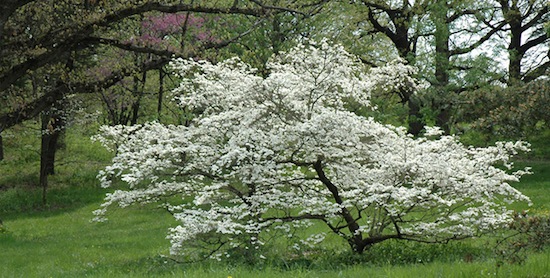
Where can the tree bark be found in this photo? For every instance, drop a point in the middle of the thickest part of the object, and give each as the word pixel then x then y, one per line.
pixel 46 155
pixel 521 26
pixel 138 94
pixel 52 127
pixel 160 94
pixel 414 117
pixel 513 17
pixel 442 65
pixel 356 240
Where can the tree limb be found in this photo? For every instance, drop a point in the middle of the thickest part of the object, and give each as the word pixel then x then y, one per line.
pixel 64 41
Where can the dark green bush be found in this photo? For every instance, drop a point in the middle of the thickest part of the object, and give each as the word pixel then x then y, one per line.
pixel 527 234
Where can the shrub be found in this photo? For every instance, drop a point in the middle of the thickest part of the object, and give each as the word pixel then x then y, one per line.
pixel 528 233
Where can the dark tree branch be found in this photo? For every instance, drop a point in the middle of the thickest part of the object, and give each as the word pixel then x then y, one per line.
pixel 64 41
pixel 291 218
pixel 532 43
pixel 536 19
pixel 378 5
pixel 56 54
pixel 283 9
pixel 356 240
pixel 456 16
pixel 536 73
pixel 479 42
pixel 33 108
pixel 130 46
pixel 385 30
pixel 7 8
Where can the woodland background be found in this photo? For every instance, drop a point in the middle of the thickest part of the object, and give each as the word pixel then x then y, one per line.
pixel 67 67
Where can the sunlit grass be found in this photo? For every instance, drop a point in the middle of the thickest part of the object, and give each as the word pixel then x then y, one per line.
pixel 49 243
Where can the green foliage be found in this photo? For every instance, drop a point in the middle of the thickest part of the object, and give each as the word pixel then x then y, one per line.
pixel 387 109
pixel 395 253
pixel 386 253
pixel 529 233
pixel 516 111
pixel 539 144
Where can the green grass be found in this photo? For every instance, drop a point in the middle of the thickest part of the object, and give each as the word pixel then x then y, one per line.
pixel 59 239
pixel 68 244
pixel 46 244
pixel 536 186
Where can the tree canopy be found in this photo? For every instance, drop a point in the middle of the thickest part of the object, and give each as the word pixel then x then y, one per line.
pixel 57 39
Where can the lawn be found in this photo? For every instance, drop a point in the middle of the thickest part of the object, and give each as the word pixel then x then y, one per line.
pixel 67 244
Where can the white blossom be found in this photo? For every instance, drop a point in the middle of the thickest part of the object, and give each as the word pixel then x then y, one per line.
pixel 271 155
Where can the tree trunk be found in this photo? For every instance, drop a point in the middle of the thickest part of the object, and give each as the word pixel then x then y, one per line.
pixel 277 36
pixel 442 104
pixel 513 17
pixel 515 55
pixel 52 127
pixel 44 184
pixel 414 118
pixel 138 94
pixel 405 44
pixel 46 154
pixel 160 94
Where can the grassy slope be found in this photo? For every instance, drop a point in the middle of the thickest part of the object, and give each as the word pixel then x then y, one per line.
pixel 67 244
pixel 60 241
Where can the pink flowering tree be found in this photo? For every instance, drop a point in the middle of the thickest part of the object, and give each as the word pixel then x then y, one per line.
pixel 167 32
pixel 272 156
pixel 161 34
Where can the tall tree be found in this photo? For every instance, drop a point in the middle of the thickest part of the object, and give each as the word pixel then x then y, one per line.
pixel 525 20
pixel 53 124
pixel 457 31
pixel 397 21
pixel 440 37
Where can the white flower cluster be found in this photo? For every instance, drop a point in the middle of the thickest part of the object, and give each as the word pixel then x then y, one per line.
pixel 272 154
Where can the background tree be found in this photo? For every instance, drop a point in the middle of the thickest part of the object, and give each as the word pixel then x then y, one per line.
pixel 514 110
pixel 67 27
pixel 517 111
pixel 39 37
pixel 528 42
pixel 453 42
pixel 397 20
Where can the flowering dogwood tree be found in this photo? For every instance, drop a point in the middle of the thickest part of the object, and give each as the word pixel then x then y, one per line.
pixel 271 155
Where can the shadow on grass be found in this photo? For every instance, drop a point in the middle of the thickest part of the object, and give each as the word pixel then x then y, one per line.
pixel 27 202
